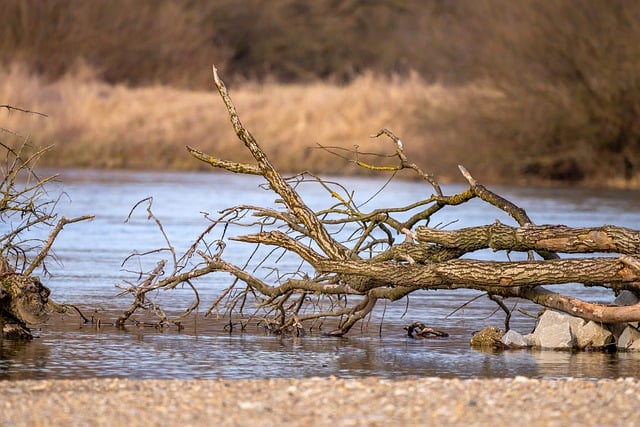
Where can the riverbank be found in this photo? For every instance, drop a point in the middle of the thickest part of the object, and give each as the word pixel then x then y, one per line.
pixel 93 124
pixel 320 402
pixel 315 127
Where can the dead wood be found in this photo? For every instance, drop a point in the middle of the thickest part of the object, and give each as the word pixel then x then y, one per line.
pixel 25 204
pixel 553 238
pixel 23 301
pixel 342 275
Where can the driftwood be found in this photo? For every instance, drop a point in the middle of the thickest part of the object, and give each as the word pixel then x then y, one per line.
pixel 23 301
pixel 420 330
pixel 351 259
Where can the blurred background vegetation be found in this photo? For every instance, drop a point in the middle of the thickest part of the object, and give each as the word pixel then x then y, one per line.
pixel 518 91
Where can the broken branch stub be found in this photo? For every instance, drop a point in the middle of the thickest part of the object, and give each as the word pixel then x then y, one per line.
pixel 367 264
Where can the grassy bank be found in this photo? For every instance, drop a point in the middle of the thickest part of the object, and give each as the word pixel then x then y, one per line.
pixel 114 78
pixel 96 125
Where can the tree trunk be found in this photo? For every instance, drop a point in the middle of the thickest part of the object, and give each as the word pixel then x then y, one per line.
pixel 23 301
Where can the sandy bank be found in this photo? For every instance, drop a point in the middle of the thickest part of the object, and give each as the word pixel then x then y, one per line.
pixel 320 402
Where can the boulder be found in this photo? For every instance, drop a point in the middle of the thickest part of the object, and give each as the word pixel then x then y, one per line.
pixel 23 300
pixel 554 331
pixel 629 339
pixel 489 337
pixel 618 328
pixel 530 340
pixel 592 334
pixel 626 297
pixel 513 339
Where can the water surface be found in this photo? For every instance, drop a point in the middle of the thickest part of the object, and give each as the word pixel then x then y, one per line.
pixel 89 265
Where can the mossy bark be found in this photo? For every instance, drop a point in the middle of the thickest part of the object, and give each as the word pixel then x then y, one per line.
pixel 23 301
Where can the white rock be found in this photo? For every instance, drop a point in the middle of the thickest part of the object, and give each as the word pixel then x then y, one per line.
pixel 514 339
pixel 592 334
pixel 575 323
pixel 530 340
pixel 629 339
pixel 554 330
pixel 635 346
pixel 618 328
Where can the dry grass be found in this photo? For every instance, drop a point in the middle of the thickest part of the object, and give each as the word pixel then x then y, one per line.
pixel 567 111
pixel 93 124
pixel 97 125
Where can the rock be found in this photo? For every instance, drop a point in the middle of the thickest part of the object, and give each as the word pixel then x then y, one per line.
pixel 513 339
pixel 626 297
pixel 554 331
pixel 617 328
pixel 15 331
pixel 488 337
pixel 559 331
pixel 592 335
pixel 629 339
pixel 530 340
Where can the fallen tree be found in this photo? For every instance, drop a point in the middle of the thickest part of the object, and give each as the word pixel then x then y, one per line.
pixel 349 259
pixel 25 205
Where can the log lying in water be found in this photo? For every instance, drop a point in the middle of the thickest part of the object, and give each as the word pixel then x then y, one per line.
pixel 372 265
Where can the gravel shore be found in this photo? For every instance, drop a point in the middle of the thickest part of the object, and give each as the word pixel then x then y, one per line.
pixel 320 402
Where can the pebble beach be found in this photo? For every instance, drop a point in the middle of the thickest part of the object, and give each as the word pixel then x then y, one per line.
pixel 320 402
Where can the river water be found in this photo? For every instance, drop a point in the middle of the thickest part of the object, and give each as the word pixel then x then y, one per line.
pixel 89 258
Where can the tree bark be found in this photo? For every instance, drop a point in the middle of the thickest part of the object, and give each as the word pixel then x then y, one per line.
pixel 554 238
pixel 23 301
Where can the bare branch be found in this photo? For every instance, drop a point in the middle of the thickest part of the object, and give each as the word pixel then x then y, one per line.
pixel 348 259
pixel 10 107
pixel 52 236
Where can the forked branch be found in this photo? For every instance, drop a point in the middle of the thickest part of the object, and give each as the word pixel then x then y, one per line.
pixel 349 258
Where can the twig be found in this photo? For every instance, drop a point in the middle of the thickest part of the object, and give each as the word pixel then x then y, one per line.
pixel 10 107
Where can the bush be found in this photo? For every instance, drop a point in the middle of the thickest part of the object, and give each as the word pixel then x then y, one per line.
pixel 163 41
pixel 548 90
pixel 568 72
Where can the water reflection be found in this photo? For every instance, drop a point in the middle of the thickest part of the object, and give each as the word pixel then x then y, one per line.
pixel 68 351
pixel 90 256
pixel 24 360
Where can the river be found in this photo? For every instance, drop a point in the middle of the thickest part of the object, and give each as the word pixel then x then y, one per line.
pixel 88 265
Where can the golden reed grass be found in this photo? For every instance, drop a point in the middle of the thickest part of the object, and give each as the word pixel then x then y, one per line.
pixel 92 124
pixel 96 125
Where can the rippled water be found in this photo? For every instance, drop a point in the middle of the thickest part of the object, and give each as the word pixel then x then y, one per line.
pixel 91 255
